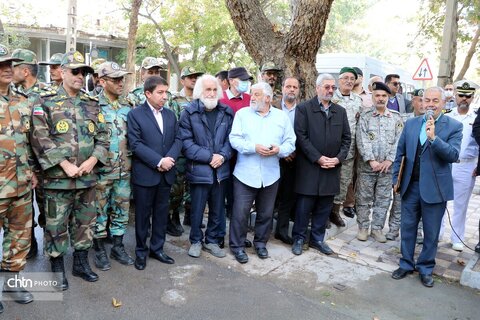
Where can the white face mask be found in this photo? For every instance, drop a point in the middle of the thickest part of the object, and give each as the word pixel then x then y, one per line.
pixel 448 94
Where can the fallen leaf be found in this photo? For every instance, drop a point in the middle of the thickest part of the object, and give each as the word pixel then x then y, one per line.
pixel 353 255
pixel 461 262
pixel 116 303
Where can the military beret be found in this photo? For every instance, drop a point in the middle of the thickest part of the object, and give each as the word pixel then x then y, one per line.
pixel 465 86
pixel 190 71
pixel 358 71
pixel 269 66
pixel 349 69
pixel 381 86
pixel 6 56
pixel 27 57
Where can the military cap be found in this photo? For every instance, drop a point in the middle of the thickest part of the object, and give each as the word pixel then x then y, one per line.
pixel 381 86
pixel 239 72
pixel 5 55
pixel 96 63
pixel 349 69
pixel 75 60
pixel 418 92
pixel 465 87
pixel 269 66
pixel 150 62
pixel 55 59
pixel 358 71
pixel 190 71
pixel 27 56
pixel 110 69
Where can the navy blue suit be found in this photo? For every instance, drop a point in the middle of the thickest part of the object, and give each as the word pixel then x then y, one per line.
pixel 427 197
pixel 151 188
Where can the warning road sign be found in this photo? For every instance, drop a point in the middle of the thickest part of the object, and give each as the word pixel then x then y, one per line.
pixel 423 71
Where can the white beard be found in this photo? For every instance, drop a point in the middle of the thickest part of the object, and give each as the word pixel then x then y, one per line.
pixel 209 103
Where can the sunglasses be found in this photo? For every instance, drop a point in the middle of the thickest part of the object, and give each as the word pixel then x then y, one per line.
pixel 395 84
pixel 77 71
pixel 468 96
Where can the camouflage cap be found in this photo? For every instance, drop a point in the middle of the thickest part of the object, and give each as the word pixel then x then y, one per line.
pixel 75 60
pixel 190 71
pixel 150 62
pixel 97 62
pixel 5 55
pixel 465 87
pixel 270 66
pixel 110 69
pixel 27 57
pixel 55 59
pixel 418 92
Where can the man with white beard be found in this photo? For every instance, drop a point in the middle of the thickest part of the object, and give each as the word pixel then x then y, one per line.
pixel 205 125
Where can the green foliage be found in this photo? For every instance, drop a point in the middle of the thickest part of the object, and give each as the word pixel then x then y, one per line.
pixel 14 40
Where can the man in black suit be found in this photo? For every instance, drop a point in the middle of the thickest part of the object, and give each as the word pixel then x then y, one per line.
pixel 323 141
pixel 155 145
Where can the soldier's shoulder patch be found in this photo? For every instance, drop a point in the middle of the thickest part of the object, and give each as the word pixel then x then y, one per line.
pixel 18 91
pixel 48 93
pixel 400 124
pixel 101 118
pixel 37 111
pixel 371 136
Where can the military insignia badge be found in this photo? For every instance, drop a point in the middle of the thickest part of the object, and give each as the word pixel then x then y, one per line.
pixel 371 135
pixel 400 125
pixel 115 66
pixel 465 86
pixel 77 56
pixel 27 124
pixel 3 50
pixel 62 126
pixel 101 118
pixel 38 111
pixel 91 127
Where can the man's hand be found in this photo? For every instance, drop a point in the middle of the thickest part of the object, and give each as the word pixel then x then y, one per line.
pixel 430 128
pixel 34 180
pixel 328 163
pixel 375 165
pixel 87 166
pixel 385 166
pixel 217 160
pixel 266 151
pixel 290 157
pixel 69 168
pixel 167 164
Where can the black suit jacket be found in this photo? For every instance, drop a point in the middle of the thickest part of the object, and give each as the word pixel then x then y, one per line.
pixel 149 145
pixel 476 135
pixel 320 135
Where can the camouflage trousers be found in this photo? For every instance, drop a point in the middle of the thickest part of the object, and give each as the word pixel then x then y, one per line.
pixel 69 209
pixel 40 199
pixel 374 191
pixel 113 199
pixel 180 193
pixel 395 218
pixel 346 176
pixel 16 222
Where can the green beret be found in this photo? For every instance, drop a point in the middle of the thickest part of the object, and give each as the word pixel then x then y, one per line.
pixel 349 69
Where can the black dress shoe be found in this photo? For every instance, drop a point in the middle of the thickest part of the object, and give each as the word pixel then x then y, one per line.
pixel 349 212
pixel 401 273
pixel 321 246
pixel 140 263
pixel 427 280
pixel 162 257
pixel 248 243
pixel 18 294
pixel 262 253
pixel 297 247
pixel 285 239
pixel 241 256
pixel 221 243
pixel 477 247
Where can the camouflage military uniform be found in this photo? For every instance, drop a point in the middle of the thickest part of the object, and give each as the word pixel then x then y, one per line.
pixel 113 184
pixel 353 105
pixel 137 96
pixel 73 129
pixel 377 138
pixel 16 160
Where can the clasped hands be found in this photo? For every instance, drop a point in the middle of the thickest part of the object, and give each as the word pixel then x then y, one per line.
pixel 328 163
pixel 381 167
pixel 73 171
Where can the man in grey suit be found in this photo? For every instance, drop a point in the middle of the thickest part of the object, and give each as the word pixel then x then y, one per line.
pixel 396 100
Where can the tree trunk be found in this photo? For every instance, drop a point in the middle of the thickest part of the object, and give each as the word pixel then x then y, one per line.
pixel 294 50
pixel 470 53
pixel 131 45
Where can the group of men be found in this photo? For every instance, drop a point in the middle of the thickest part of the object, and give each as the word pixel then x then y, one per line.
pixel 228 144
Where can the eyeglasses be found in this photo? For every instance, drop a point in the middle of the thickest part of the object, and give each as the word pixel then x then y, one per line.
pixel 115 80
pixel 395 84
pixel 77 71
pixel 468 96
pixel 328 87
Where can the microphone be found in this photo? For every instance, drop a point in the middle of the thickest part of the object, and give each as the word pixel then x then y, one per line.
pixel 429 114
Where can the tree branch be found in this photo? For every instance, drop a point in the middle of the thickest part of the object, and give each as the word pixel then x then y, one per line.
pixel 470 53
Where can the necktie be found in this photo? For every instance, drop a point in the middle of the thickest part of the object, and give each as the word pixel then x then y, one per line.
pixel 423 133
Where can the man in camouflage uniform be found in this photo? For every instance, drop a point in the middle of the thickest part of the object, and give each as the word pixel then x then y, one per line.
pixel 352 103
pixel 54 69
pixel 113 183
pixel 180 190
pixel 94 79
pixel 69 138
pixel 271 74
pixel 16 178
pixel 150 67
pixel 378 132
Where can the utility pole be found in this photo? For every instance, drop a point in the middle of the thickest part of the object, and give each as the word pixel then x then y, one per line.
pixel 449 44
pixel 71 44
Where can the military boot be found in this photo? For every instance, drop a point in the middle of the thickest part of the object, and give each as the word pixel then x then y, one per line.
pixel 118 252
pixel 335 216
pixel 101 259
pixel 172 228
pixel 81 268
pixel 186 218
pixel 12 288
pixel 33 246
pixel 58 268
pixel 176 220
